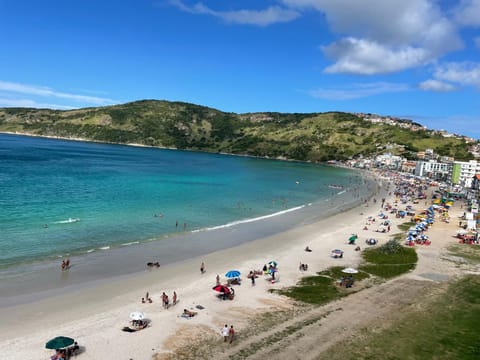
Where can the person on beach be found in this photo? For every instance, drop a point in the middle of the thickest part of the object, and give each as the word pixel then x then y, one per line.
pixel 217 279
pixel 225 333
pixel 202 268
pixel 163 299
pixel 231 333
pixel 252 277
pixel 174 299
pixel 166 301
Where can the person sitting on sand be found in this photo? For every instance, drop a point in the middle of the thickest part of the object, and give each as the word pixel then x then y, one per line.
pixel 189 313
pixel 143 300
pixel 308 249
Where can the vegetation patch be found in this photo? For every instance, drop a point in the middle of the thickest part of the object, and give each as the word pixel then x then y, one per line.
pixel 468 252
pixel 406 225
pixel 444 326
pixel 321 288
pixel 389 260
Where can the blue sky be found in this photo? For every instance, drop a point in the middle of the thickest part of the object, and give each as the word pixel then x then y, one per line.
pixel 418 59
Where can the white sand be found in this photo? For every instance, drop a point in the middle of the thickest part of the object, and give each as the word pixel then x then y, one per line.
pixel 95 316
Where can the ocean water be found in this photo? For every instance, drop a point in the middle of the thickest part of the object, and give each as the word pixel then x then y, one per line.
pixel 66 198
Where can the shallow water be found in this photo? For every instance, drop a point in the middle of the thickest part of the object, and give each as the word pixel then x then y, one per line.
pixel 99 201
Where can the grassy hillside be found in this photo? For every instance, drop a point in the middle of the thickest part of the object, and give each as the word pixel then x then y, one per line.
pixel 313 137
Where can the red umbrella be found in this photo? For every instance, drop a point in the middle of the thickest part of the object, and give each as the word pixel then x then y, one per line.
pixel 221 289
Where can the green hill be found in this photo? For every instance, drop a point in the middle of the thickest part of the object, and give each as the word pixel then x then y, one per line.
pixel 311 137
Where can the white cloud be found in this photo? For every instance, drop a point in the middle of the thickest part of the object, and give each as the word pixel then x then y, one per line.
pixel 48 92
pixel 464 73
pixel 359 56
pixel 400 34
pixel 468 13
pixel 265 17
pixel 357 91
pixel 436 85
pixel 27 103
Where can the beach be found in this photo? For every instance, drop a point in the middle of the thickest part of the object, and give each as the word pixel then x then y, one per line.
pixel 95 315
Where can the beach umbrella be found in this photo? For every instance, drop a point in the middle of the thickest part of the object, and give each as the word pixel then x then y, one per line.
pixel 221 289
pixel 353 237
pixel 273 263
pixel 233 274
pixel 337 251
pixel 59 342
pixel 350 270
pixel 137 315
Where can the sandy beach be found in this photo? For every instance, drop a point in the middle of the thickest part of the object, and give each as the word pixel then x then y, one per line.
pixel 94 316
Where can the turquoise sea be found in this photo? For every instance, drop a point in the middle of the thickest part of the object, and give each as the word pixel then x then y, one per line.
pixel 68 198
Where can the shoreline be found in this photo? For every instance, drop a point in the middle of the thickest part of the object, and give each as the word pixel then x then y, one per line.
pixel 106 305
pixel 115 261
pixel 123 261
pixel 65 138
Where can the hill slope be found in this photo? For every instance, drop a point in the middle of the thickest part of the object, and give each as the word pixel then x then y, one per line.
pixel 311 137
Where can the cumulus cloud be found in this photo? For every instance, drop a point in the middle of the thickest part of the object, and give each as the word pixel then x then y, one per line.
pixel 265 17
pixel 436 85
pixel 42 91
pixel 359 56
pixel 408 32
pixel 468 13
pixel 357 91
pixel 464 73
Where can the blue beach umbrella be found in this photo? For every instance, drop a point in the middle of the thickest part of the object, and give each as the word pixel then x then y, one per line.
pixel 273 263
pixel 232 274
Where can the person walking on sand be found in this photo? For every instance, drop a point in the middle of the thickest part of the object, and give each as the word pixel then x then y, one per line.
pixel 174 299
pixel 225 333
pixel 217 279
pixel 231 334
pixel 202 268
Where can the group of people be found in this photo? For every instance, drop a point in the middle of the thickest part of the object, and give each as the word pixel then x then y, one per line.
pixel 303 267
pixel 166 301
pixel 147 298
pixel 64 354
pixel 65 264
pixel 228 333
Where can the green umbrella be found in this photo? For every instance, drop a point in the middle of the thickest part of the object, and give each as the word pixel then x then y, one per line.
pixel 353 237
pixel 59 342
